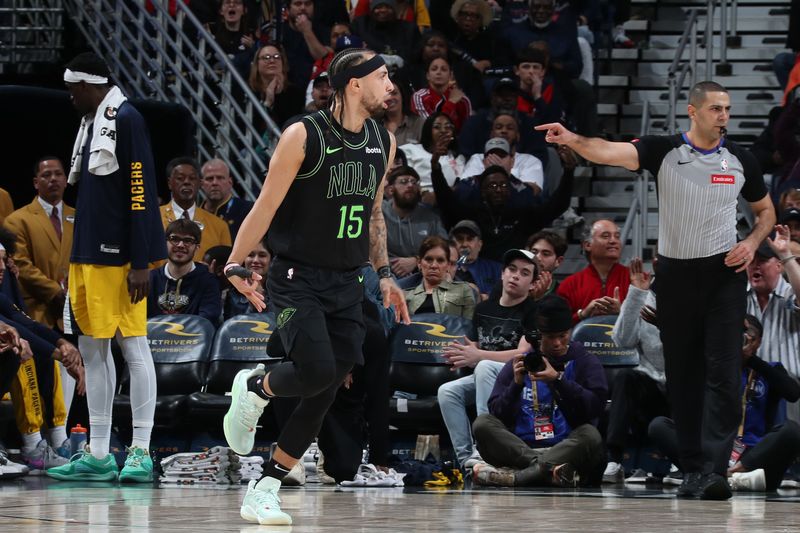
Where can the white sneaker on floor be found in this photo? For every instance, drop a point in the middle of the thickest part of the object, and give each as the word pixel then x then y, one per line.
pixel 9 469
pixel 263 505
pixel 755 480
pixel 324 478
pixel 473 459
pixel 239 424
pixel 614 473
pixel 638 476
pixel 296 476
pixel 43 457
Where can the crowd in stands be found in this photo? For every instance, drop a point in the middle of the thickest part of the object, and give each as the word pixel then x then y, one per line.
pixel 467 208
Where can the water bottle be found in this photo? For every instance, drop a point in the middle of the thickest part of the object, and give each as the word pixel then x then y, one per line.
pixel 77 438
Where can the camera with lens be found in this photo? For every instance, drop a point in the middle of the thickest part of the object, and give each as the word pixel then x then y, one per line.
pixel 534 360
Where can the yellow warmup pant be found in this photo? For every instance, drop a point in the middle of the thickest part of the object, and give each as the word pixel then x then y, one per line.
pixel 29 403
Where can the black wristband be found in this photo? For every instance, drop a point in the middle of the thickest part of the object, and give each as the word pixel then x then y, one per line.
pixel 242 272
pixel 384 272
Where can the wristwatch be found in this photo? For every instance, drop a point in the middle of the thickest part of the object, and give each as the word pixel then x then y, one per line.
pixel 384 272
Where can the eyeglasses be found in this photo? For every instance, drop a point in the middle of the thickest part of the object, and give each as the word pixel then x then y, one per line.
pixel 188 241
pixel 495 186
pixel 469 15
pixel 406 181
pixel 267 57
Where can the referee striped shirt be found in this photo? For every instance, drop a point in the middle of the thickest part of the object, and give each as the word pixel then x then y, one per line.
pixel 781 319
pixel 697 193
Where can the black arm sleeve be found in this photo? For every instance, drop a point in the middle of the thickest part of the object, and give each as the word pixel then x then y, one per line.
pixel 754 188
pixel 532 219
pixel 652 149
pixel 446 199
pixel 779 380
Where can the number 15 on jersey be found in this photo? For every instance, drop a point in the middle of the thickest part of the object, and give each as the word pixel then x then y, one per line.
pixel 350 222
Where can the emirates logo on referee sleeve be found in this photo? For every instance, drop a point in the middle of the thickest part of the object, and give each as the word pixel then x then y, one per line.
pixel 723 179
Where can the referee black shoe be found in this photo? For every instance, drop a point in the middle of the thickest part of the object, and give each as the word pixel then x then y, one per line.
pixel 691 486
pixel 715 487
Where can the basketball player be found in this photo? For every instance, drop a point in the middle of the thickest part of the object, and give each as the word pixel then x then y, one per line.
pixel 321 202
pixel 700 271
pixel 117 233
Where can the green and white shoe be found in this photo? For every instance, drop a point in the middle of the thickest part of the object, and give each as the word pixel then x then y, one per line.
pixel 239 424
pixel 263 505
pixel 83 466
pixel 138 466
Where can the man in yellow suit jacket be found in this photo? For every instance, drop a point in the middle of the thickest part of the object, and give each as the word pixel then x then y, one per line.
pixel 44 241
pixel 183 179
pixel 6 205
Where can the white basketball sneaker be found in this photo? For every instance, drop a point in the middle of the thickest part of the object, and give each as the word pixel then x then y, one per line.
pixel 239 424
pixel 263 505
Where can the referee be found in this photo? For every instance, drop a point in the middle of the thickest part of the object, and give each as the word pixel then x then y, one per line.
pixel 701 272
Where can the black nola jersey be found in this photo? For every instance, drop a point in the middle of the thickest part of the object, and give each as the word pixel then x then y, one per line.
pixel 324 219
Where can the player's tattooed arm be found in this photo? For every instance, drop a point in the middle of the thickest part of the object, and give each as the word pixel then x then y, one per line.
pixel 378 254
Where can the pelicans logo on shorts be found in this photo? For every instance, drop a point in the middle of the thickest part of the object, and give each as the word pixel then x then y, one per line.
pixel 285 316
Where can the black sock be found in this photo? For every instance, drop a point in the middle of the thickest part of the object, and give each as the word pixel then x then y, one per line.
pixel 274 469
pixel 256 385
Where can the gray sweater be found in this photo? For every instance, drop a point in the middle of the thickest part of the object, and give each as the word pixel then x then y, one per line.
pixel 630 331
pixel 405 235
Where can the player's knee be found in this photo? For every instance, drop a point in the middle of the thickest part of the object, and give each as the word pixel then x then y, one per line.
pixel 316 376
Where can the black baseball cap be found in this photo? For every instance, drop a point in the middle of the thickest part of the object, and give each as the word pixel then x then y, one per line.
pixel 765 251
pixel 516 253
pixel 790 215
pixel 553 314
pixel 466 226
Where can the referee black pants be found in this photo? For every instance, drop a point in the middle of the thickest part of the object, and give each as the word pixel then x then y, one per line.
pixel 701 308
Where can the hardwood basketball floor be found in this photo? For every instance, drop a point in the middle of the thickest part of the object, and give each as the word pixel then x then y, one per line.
pixel 35 505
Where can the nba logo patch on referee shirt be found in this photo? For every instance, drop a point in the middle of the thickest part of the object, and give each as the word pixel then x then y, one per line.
pixel 724 179
pixel 723 165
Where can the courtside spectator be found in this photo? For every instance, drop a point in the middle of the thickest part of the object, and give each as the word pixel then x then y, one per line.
pixel 217 186
pixel 182 286
pixel 258 261
pixel 470 266
pixel 600 288
pixel 183 179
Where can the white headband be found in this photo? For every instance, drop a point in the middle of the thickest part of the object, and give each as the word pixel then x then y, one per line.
pixel 77 77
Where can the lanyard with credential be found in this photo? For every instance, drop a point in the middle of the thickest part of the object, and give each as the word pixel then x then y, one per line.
pixel 543 428
pixel 750 377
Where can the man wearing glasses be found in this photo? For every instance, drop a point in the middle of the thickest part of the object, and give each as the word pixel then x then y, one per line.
pixel 408 222
pixel 182 286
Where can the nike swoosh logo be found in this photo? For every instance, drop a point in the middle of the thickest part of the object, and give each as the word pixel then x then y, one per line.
pixel 684 162
pixel 361 279
pixel 329 150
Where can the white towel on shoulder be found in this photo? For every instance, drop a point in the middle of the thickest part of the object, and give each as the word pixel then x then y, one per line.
pixel 102 150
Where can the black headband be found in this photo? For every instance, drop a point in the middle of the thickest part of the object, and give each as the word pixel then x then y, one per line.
pixel 340 79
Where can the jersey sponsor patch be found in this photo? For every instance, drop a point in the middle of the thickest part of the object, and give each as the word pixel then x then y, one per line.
pixel 724 179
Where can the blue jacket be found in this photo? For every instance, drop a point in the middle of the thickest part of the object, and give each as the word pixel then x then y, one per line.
pixel 579 397
pixel 117 220
pixel 196 293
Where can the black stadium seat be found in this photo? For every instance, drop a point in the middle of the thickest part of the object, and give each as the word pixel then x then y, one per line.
pixel 180 346
pixel 241 343
pixel 418 368
pixel 595 334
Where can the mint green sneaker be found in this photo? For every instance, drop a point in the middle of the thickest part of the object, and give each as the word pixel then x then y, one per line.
pixel 263 505
pixel 83 466
pixel 138 466
pixel 239 424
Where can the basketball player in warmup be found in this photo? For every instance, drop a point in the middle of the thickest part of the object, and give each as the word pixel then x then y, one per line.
pixel 321 202
pixel 700 271
pixel 117 233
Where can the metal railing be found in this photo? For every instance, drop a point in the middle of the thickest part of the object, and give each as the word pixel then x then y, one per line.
pixel 30 32
pixel 678 70
pixel 152 56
